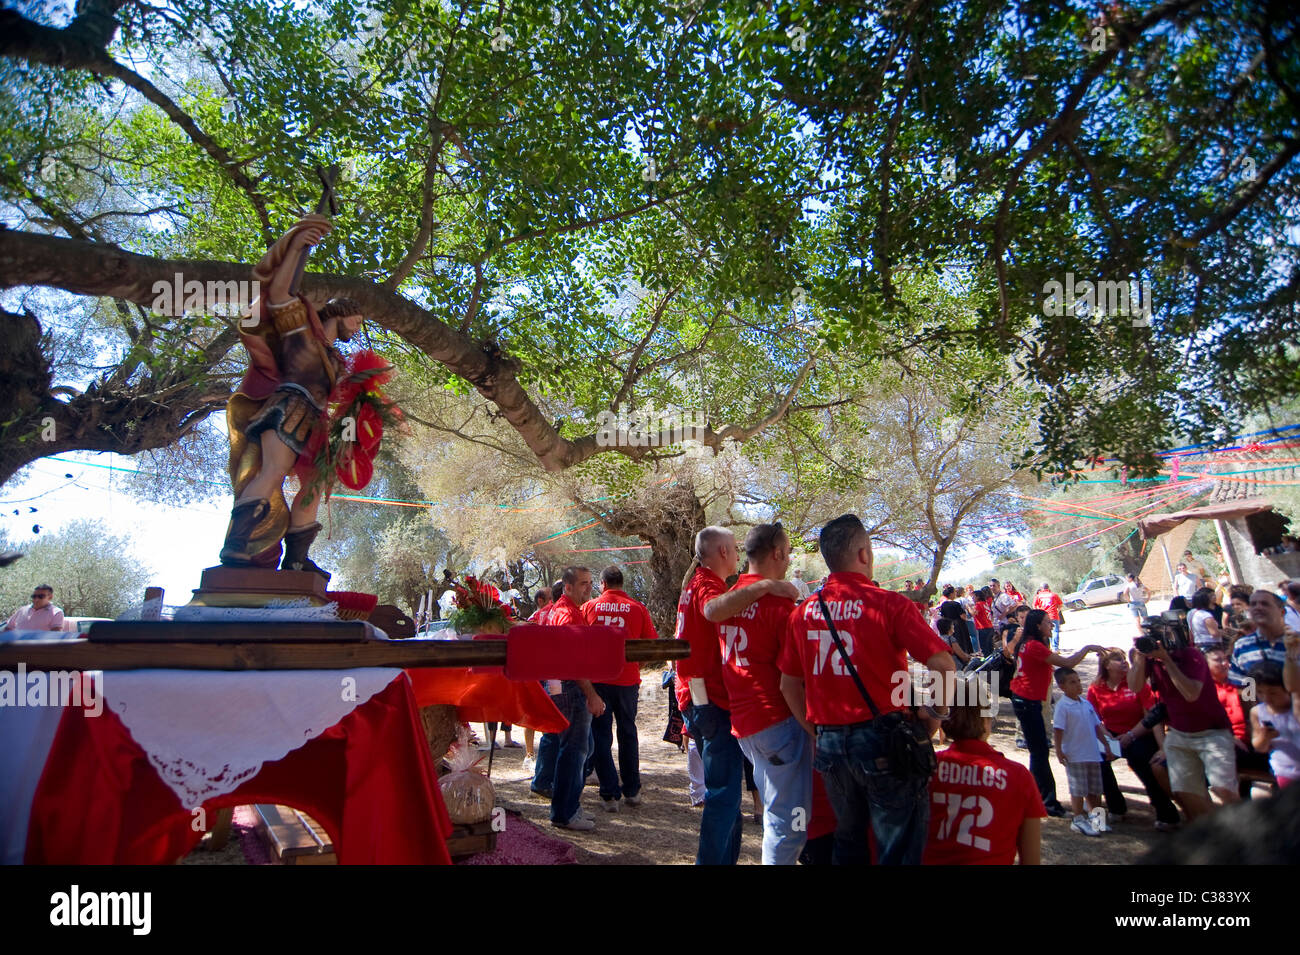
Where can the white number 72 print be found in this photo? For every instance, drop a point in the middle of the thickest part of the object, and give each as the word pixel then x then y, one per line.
pixel 957 815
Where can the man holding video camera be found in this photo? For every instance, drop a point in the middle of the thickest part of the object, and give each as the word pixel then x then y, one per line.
pixel 1198 743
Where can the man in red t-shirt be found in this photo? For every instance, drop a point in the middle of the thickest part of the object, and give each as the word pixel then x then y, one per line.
pixel 561 756
pixel 701 694
pixel 769 735
pixel 878 629
pixel 614 608
pixel 1050 602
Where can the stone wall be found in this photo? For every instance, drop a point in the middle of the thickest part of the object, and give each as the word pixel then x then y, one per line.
pixel 1260 570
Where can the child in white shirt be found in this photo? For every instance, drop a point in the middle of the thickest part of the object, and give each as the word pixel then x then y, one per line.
pixel 1080 741
pixel 1274 726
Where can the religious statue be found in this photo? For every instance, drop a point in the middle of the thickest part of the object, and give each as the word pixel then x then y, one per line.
pixel 279 418
pixel 279 413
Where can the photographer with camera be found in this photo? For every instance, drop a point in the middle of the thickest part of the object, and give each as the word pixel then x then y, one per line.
pixel 1198 742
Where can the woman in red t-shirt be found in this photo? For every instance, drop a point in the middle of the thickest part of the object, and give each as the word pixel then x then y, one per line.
pixel 1029 688
pixel 984 808
pixel 984 619
pixel 1121 711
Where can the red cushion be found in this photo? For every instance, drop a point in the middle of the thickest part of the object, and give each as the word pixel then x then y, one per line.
pixel 564 653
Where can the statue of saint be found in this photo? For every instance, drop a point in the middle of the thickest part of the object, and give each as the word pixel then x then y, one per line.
pixel 279 413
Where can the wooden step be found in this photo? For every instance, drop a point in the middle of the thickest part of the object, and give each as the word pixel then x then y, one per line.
pixel 471 839
pixel 294 837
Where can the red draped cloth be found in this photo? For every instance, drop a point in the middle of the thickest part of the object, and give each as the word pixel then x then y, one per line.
pixel 487 698
pixel 368 780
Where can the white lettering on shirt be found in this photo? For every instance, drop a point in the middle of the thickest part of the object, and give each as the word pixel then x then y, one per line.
pixel 965 774
pixel 840 610
pixel 826 650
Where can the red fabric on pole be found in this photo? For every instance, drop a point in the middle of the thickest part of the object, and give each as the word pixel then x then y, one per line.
pixel 568 652
pixel 487 698
pixel 368 780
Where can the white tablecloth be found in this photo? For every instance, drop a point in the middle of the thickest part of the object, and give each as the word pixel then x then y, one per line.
pixel 208 731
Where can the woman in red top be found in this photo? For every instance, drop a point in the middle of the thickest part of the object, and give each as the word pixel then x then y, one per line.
pixel 1121 712
pixel 984 808
pixel 1029 688
pixel 984 619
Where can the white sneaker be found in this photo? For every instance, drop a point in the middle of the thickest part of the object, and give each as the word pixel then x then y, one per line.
pixel 632 800
pixel 530 763
pixel 611 805
pixel 1081 824
pixel 578 823
pixel 1097 818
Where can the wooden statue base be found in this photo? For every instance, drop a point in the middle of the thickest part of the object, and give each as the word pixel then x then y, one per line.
pixel 255 586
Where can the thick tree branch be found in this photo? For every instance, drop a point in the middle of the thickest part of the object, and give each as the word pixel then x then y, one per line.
pixel 88 268
pixel 82 45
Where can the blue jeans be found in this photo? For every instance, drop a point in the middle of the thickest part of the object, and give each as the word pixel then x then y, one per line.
pixel 1056 636
pixel 570 752
pixel 620 709
pixel 853 762
pixel 724 771
pixel 985 635
pixel 1030 715
pixel 782 758
pixel 548 749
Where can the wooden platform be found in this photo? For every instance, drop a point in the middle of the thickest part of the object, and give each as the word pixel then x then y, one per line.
pixel 471 840
pixel 230 631
pixel 260 579
pixel 293 837
pixel 404 654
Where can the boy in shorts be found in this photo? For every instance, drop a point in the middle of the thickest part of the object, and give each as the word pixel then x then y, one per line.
pixel 1080 741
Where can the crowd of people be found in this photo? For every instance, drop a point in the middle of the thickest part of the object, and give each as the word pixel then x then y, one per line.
pixel 796 694
pixel 793 692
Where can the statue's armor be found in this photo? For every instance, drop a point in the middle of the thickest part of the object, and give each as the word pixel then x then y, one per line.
pixel 308 370
pixel 287 388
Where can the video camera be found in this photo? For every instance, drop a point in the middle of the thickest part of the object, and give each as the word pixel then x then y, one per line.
pixel 1169 630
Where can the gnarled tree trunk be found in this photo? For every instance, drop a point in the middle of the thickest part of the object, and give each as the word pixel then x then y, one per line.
pixel 667 519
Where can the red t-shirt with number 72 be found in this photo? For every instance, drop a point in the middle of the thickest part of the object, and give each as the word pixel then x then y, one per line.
pixel 750 643
pixel 978 801
pixel 614 608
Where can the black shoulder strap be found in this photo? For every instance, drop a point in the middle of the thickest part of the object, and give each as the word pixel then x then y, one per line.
pixel 848 664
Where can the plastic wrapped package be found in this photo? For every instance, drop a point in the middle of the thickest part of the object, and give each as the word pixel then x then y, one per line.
pixel 466 790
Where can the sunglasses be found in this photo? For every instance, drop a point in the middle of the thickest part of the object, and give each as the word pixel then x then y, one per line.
pixel 40 595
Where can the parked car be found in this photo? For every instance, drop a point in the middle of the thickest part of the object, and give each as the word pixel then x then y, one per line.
pixel 1097 591
pixel 80 625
